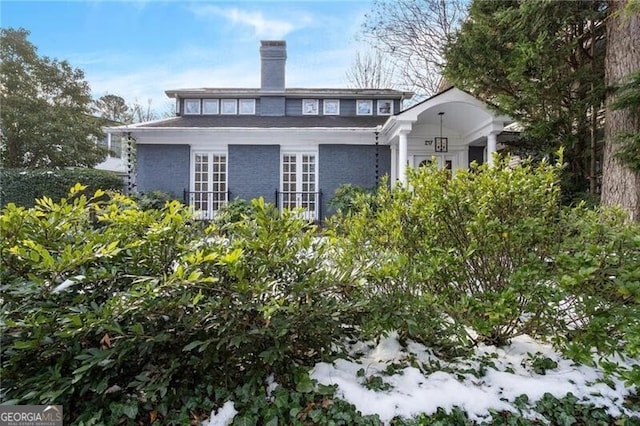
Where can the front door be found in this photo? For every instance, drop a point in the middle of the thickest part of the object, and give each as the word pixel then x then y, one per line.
pixel 443 161
pixel 299 184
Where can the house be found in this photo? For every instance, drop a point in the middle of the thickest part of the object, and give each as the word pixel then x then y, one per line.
pixel 116 159
pixel 296 146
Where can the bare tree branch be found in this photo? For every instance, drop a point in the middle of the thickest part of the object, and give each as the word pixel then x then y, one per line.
pixel 369 70
pixel 413 33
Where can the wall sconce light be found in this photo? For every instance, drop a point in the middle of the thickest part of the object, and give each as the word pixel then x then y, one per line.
pixel 441 143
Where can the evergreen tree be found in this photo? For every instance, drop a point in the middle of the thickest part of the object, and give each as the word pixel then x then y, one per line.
pixel 542 63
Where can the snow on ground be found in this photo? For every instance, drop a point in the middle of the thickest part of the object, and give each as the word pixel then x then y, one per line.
pixel 391 381
pixel 491 379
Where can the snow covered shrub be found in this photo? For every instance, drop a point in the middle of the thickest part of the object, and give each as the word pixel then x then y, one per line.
pixel 127 316
pixel 473 250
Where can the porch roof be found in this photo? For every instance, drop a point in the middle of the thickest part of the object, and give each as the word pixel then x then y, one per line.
pixel 461 113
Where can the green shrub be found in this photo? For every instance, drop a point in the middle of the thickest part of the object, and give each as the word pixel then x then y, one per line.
pixel 599 273
pixel 307 405
pixel 152 200
pixel 23 187
pixel 161 314
pixel 346 198
pixel 468 253
pixel 567 410
pixel 236 211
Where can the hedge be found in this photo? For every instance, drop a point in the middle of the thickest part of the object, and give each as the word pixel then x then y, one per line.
pixel 23 187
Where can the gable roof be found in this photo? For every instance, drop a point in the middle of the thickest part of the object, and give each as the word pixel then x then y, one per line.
pixel 458 108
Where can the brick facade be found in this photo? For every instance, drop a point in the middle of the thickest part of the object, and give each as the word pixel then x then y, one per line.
pixel 354 164
pixel 163 168
pixel 254 171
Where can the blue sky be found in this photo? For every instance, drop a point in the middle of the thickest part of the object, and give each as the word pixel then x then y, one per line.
pixel 139 49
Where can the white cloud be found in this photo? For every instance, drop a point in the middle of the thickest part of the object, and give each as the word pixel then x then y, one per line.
pixel 317 57
pixel 150 82
pixel 261 26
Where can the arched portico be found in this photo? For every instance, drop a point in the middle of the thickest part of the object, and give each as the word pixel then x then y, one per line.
pixel 469 131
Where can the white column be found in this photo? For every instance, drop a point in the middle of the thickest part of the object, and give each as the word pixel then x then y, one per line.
pixel 491 147
pixel 394 164
pixel 402 158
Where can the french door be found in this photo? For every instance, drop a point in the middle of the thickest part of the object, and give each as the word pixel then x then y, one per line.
pixel 210 191
pixel 299 186
pixel 443 161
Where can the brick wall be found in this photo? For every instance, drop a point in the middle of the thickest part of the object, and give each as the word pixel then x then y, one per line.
pixel 254 171
pixel 163 168
pixel 353 164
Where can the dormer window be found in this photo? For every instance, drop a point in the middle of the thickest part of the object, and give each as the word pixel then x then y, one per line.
pixel 364 107
pixel 310 107
pixel 247 106
pixel 331 107
pixel 210 106
pixel 192 106
pixel 385 107
pixel 229 106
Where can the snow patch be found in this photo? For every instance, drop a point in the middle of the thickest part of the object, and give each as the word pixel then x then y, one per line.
pixel 68 283
pixel 223 417
pixel 506 374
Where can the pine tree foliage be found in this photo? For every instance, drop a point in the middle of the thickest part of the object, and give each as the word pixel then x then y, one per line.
pixel 628 97
pixel 542 63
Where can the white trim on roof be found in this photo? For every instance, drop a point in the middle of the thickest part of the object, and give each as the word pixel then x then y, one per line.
pixel 217 129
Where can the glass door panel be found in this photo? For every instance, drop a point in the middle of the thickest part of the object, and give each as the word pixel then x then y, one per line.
pixel 299 186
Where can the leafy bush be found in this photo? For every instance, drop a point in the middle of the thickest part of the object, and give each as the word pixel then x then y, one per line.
pixel 346 198
pixel 128 316
pixel 491 254
pixel 152 200
pixel 23 187
pixel 468 253
pixel 236 211
pixel 307 404
pixel 567 410
pixel 599 272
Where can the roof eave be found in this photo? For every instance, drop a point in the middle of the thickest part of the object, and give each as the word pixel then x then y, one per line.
pixel 125 129
pixel 292 92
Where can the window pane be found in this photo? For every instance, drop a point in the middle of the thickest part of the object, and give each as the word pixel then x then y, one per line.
pixel 210 106
pixel 192 106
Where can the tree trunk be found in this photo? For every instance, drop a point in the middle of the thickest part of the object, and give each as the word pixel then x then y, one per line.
pixel 620 185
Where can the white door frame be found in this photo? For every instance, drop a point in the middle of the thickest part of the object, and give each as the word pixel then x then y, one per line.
pixel 301 200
